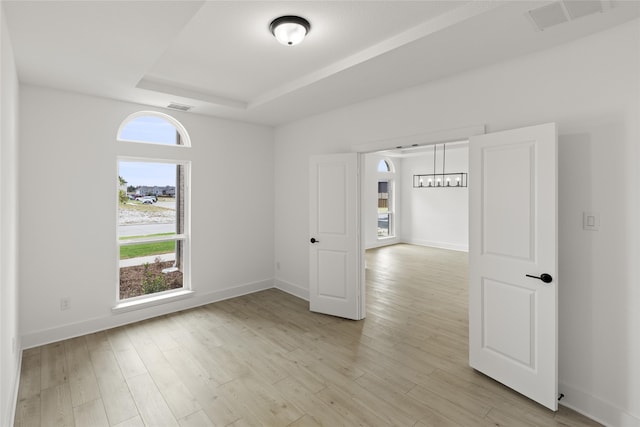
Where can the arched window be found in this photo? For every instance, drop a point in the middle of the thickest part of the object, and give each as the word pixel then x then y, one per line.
pixel 384 166
pixel 154 128
pixel 153 206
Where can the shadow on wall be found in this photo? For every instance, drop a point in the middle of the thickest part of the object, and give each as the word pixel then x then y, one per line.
pixel 575 260
pixel 593 273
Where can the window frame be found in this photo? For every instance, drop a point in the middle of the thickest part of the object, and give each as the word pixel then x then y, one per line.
pixel 184 140
pixel 184 237
pixel 126 151
pixel 388 164
pixel 388 177
pixel 390 205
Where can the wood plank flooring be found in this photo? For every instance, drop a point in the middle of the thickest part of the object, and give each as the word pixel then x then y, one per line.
pixel 265 360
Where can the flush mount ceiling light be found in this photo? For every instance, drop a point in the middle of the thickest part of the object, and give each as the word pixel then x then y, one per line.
pixel 289 30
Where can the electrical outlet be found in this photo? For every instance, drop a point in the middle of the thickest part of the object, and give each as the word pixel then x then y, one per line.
pixel 65 303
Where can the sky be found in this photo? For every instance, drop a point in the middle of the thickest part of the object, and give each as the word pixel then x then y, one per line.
pixel 148 129
pixel 150 174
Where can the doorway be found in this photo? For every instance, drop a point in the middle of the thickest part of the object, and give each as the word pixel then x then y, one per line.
pixel 397 210
pixel 512 326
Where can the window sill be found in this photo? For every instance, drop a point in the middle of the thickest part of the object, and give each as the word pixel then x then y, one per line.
pixel 151 301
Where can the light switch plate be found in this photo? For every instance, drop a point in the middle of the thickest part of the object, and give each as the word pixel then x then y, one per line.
pixel 591 221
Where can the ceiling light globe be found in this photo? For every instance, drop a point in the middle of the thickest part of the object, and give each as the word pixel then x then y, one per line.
pixel 290 30
pixel 290 34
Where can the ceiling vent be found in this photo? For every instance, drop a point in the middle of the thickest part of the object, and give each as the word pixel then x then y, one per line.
pixel 562 11
pixel 179 107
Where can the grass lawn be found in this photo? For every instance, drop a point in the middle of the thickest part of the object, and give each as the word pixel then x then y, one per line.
pixel 147 249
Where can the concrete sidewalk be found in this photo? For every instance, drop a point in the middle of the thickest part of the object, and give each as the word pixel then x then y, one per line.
pixel 146 259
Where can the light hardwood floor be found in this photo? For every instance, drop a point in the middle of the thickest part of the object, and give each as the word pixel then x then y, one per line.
pixel 265 360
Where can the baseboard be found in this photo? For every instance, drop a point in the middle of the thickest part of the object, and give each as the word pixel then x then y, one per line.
pixel 9 413
pixel 383 242
pixel 89 326
pixel 596 408
pixel 290 288
pixel 441 245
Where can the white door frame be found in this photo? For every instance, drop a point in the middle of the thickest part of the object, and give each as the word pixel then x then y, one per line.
pixel 437 137
pixel 429 139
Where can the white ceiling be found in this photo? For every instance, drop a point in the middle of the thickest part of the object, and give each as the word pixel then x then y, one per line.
pixel 220 58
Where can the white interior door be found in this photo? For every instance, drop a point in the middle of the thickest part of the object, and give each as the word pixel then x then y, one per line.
pixel 513 332
pixel 334 257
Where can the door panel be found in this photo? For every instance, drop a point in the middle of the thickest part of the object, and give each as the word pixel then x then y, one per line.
pixel 334 259
pixel 332 198
pixel 508 229
pixel 513 233
pixel 334 281
pixel 507 307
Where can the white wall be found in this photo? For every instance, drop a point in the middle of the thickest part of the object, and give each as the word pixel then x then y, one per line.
pixel 68 211
pixel 437 217
pixel 9 338
pixel 371 176
pixel 591 88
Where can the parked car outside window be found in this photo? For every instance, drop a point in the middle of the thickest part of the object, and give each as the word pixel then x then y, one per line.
pixel 147 200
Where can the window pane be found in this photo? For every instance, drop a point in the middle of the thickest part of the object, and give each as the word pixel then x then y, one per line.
pixel 383 196
pixel 151 206
pixel 150 129
pixel 383 224
pixel 385 209
pixel 383 166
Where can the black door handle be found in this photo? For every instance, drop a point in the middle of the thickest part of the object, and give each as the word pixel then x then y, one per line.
pixel 546 278
pixel 313 240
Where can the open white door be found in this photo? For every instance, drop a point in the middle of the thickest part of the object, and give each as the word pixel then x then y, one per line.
pixel 334 258
pixel 513 332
